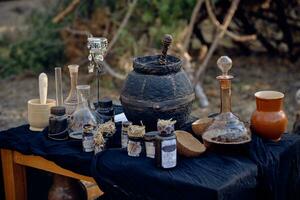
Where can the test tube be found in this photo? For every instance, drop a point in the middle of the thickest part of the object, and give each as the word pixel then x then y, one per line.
pixel 58 86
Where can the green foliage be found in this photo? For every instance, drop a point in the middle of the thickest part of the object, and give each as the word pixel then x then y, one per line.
pixel 168 16
pixel 37 49
pixel 41 47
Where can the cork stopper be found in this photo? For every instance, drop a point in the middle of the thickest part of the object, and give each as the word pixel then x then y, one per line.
pixel 166 42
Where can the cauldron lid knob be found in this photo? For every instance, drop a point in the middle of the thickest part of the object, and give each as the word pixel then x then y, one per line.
pixel 166 42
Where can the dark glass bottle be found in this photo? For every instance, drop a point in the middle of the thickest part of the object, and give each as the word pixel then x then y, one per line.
pixel 58 123
pixel 105 110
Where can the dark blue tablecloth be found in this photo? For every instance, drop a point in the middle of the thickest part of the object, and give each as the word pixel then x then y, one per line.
pixel 263 170
pixel 67 154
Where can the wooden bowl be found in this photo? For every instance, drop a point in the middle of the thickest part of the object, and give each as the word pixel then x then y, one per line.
pixel 199 126
pixel 188 145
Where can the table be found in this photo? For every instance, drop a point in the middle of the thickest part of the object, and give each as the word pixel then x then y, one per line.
pixel 13 166
pixel 268 170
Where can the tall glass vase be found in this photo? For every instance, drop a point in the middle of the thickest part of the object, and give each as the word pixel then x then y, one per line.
pixel 83 114
pixel 71 101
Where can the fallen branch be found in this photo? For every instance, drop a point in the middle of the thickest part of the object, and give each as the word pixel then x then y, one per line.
pixel 235 37
pixel 123 24
pixel 58 18
pixel 192 23
pixel 218 37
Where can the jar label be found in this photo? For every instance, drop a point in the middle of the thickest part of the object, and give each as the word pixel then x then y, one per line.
pixel 124 139
pixel 134 148
pixel 150 149
pixel 168 153
pixel 88 143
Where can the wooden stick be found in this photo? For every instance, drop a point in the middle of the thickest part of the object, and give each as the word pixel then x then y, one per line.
pixel 58 18
pixel 218 37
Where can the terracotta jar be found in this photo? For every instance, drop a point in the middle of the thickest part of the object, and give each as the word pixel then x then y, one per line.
pixel 269 120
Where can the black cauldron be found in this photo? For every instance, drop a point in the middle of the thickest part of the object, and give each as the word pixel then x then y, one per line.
pixel 155 91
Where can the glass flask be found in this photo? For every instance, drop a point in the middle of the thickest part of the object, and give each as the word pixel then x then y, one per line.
pixel 71 101
pixel 83 114
pixel 226 127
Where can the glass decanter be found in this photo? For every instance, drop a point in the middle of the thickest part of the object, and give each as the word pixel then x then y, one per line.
pixel 71 101
pixel 83 114
pixel 226 127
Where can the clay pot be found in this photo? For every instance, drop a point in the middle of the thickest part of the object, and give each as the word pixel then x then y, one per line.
pixel 269 120
pixel 153 91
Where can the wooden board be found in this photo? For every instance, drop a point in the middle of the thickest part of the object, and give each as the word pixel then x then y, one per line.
pixel 46 165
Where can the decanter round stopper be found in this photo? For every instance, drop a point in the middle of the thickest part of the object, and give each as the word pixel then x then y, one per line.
pixel 224 63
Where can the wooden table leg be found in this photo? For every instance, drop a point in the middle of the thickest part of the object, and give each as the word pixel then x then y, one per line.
pixel 14 176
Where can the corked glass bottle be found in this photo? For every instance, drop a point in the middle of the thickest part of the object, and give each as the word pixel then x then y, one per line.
pixel 226 128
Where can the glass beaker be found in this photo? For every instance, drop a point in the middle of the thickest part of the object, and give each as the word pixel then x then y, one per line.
pixel 71 100
pixel 83 114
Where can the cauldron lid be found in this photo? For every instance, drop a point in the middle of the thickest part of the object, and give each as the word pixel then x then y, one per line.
pixel 151 65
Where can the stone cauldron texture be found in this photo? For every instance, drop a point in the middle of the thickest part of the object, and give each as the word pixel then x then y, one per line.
pixel 155 91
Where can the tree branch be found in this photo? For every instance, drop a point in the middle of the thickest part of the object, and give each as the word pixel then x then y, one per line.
pixel 230 34
pixel 58 18
pixel 123 24
pixel 218 37
pixel 192 23
pixel 112 72
pixel 77 32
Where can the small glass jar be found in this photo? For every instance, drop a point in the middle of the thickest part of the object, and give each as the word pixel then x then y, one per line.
pixel 124 133
pixel 135 146
pixel 149 139
pixel 58 123
pixel 105 110
pixel 165 145
pixel 88 143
